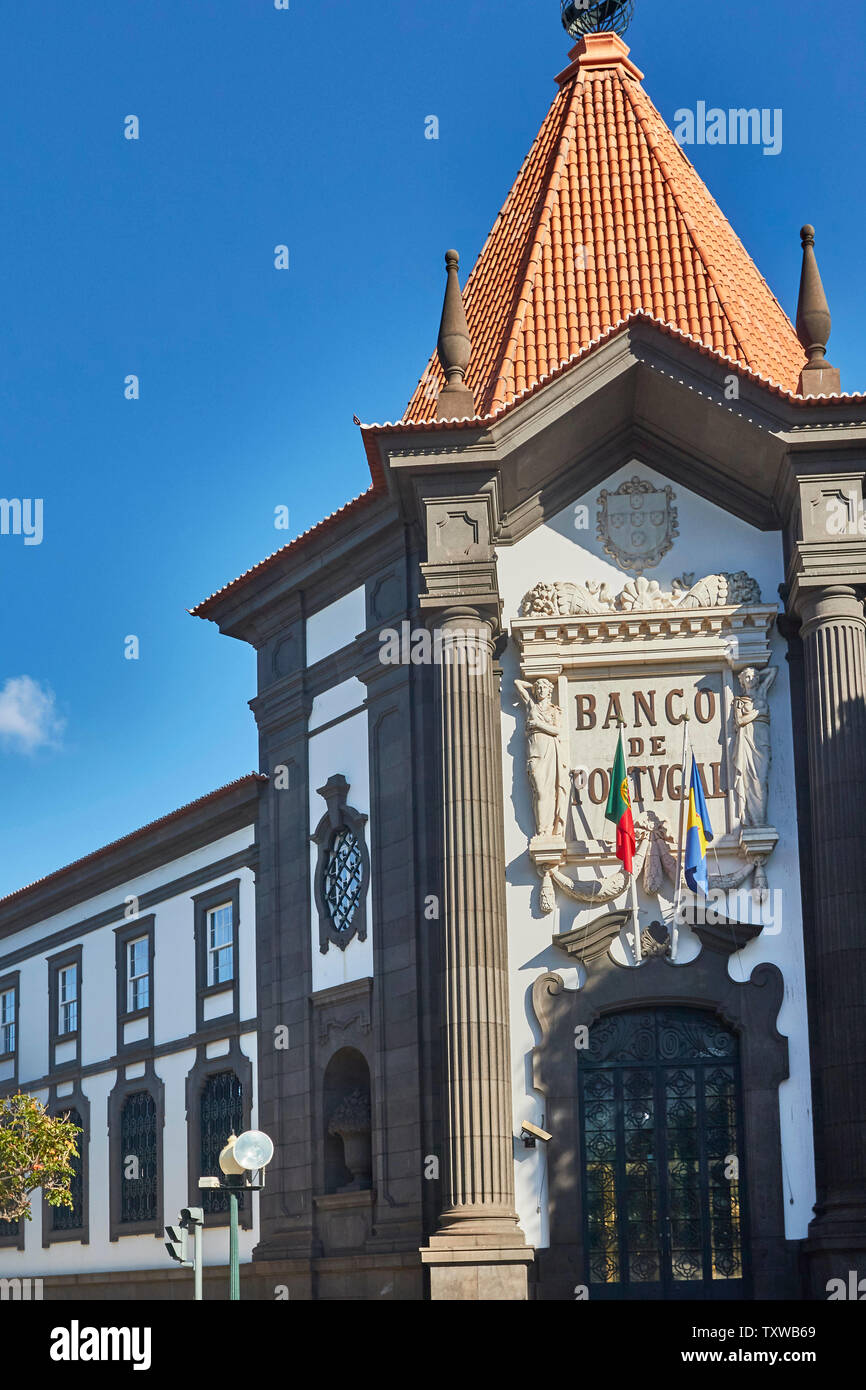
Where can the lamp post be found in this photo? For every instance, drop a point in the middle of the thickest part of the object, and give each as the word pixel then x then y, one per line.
pixel 248 1153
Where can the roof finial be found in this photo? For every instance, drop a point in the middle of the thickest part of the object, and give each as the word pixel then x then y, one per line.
pixel 455 348
pixel 596 16
pixel 817 378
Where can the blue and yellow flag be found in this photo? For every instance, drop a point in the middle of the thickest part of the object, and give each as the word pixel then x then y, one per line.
pixel 698 834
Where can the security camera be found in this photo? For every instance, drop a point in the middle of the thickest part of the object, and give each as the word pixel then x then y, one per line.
pixel 531 1132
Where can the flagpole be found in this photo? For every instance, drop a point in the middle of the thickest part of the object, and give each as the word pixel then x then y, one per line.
pixel 638 953
pixel 675 929
pixel 636 950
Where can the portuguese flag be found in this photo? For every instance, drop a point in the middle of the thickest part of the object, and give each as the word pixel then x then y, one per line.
pixel 619 810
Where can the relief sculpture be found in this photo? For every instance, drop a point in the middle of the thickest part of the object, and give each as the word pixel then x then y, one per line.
pixel 546 761
pixel 752 752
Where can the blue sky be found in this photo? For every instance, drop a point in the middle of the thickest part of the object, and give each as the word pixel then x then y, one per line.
pixel 155 257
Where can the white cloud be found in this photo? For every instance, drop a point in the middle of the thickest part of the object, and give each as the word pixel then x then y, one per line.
pixel 28 715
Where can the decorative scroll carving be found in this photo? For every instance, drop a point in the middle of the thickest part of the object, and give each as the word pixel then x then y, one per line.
pixel 655 940
pixel 641 595
pixel 655 858
pixel 655 862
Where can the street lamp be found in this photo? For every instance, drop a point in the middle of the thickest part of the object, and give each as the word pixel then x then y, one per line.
pixel 248 1153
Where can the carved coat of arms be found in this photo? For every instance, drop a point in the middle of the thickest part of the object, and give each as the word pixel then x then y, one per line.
pixel 637 524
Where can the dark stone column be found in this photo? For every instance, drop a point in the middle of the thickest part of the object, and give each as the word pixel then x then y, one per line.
pixel 283 966
pixel 834 642
pixel 478 1251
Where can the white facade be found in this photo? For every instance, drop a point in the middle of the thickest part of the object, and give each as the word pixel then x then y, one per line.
pixel 565 548
pixel 173 1049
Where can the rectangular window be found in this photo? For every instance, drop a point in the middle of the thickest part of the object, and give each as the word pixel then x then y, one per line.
pixel 67 1000
pixel 217 927
pixel 7 1021
pixel 219 945
pixel 137 974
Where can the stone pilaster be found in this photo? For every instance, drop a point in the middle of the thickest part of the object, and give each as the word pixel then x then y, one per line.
pixel 833 633
pixel 478 1250
pixel 283 958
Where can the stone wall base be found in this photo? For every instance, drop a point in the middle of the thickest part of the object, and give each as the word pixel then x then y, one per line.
pixel 370 1278
pixel 469 1274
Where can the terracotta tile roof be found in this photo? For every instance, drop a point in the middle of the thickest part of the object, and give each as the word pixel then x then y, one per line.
pixel 607 217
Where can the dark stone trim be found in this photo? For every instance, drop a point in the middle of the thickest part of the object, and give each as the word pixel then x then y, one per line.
pixel 203 902
pixel 789 627
pixel 203 822
pixel 123 1088
pixel 234 1060
pixel 71 956
pixel 15 1242
pixel 61 1105
pixel 133 931
pixel 244 859
pixel 283 956
pixel 12 981
pixel 339 815
pixel 751 1009
pixel 342 1018
pixel 212 1032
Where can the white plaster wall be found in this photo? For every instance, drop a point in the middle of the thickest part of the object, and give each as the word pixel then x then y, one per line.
pixel 341 749
pixel 336 626
pixel 98 996
pixel 710 540
pixel 32 1018
pixel 145 883
pixel 132 1252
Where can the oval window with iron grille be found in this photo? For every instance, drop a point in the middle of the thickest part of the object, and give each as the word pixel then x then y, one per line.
pixel 343 878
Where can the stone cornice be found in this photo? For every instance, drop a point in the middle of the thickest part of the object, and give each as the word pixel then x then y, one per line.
pixel 690 639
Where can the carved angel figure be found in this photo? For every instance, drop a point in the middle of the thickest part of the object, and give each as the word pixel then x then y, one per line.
pixel 546 761
pixel 752 752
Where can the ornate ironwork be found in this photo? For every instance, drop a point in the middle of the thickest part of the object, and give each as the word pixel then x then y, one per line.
pixel 662 1151
pixel 221 1113
pixel 596 16
pixel 342 868
pixel 138 1158
pixel 344 878
pixel 72 1218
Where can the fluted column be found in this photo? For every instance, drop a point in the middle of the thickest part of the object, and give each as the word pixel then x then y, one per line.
pixel 478 1250
pixel 834 643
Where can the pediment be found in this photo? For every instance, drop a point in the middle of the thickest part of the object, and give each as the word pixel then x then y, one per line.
pixel 691 415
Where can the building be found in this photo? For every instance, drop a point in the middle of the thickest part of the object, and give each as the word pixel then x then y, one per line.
pixel 624 500
pixel 128 993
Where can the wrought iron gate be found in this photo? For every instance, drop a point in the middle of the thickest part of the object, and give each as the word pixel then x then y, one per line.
pixel 662 1156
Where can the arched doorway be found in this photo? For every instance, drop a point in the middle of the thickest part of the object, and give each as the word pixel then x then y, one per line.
pixel 661 1146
